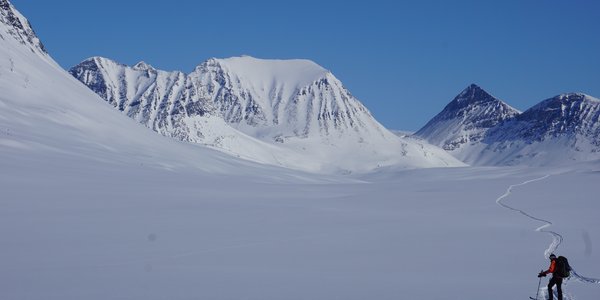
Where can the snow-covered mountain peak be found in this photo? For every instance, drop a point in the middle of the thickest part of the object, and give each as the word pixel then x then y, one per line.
pixel 557 130
pixel 472 95
pixel 271 98
pixel 466 119
pixel 563 114
pixel 472 87
pixel 294 73
pixel 17 26
pixel 567 99
pixel 480 129
pixel 142 66
pixel 96 62
pixel 563 108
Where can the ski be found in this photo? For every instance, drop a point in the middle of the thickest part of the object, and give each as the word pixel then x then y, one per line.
pixel 532 298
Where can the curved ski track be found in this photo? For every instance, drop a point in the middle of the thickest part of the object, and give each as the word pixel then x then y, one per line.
pixel 557 238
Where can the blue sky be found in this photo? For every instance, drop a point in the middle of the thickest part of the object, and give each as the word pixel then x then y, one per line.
pixel 404 60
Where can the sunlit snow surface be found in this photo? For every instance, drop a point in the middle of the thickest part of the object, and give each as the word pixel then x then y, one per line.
pixel 95 206
pixel 79 230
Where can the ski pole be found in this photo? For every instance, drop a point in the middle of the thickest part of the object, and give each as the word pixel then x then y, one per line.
pixel 538 289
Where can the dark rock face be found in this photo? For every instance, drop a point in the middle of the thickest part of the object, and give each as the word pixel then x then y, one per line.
pixel 19 27
pixel 90 73
pixel 157 105
pixel 473 95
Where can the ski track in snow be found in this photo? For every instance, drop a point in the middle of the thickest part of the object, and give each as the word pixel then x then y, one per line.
pixel 557 238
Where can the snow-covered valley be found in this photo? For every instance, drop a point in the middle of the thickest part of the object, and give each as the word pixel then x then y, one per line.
pixel 106 232
pixel 94 205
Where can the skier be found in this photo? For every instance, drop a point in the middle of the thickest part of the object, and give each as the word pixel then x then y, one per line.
pixel 559 267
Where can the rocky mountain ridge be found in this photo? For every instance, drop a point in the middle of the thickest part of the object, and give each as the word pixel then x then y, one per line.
pixel 482 130
pixel 257 109
pixel 19 27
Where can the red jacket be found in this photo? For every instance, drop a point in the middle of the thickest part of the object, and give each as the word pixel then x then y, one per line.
pixel 552 267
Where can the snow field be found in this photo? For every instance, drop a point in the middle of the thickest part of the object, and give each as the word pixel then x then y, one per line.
pixel 145 233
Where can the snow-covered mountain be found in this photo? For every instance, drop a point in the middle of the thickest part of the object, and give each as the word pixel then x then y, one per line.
pixel 482 130
pixel 562 129
pixel 50 122
pixel 286 112
pixel 272 100
pixel 466 119
pixel 568 115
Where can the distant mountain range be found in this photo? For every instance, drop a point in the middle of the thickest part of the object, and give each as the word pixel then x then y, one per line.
pixel 480 129
pixel 272 100
pixel 292 113
pixel 258 109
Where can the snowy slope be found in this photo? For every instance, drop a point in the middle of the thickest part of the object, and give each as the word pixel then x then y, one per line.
pixel 292 113
pixel 174 235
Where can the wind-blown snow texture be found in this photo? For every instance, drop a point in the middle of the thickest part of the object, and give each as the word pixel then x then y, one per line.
pixel 482 130
pixel 285 112
pixel 95 206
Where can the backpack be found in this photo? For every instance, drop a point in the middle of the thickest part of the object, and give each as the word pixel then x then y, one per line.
pixel 562 267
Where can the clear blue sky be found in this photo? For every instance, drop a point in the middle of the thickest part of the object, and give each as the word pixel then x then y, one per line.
pixel 404 60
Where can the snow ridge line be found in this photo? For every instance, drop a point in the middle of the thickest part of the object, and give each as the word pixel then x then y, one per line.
pixel 556 237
